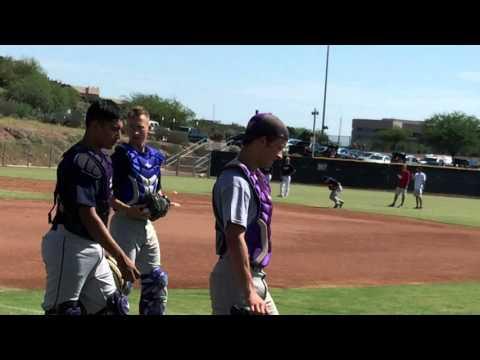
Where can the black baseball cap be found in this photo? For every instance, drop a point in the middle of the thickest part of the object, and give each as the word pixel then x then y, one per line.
pixel 265 124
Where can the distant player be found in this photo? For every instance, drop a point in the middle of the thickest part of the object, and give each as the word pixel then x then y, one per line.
pixel 335 190
pixel 402 185
pixel 268 173
pixel 286 171
pixel 419 183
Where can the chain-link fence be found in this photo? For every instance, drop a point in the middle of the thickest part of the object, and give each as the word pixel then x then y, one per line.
pixel 28 154
pixel 21 153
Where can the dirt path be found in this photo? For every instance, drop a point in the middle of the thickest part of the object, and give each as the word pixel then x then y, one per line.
pixel 312 246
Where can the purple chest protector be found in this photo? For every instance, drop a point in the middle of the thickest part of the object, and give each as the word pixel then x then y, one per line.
pixel 258 233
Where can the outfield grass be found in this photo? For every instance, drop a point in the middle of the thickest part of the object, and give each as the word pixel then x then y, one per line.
pixel 29 173
pixel 428 299
pixel 450 210
pixel 24 195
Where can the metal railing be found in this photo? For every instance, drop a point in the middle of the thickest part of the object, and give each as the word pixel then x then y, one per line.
pixel 187 151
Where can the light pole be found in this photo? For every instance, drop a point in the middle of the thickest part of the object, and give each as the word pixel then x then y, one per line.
pixel 325 91
pixel 314 113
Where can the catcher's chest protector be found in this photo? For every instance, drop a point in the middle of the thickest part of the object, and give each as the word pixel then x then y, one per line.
pixel 258 233
pixel 144 174
pixel 95 165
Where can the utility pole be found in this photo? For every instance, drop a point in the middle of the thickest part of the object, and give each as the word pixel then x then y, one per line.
pixel 339 131
pixel 325 90
pixel 314 113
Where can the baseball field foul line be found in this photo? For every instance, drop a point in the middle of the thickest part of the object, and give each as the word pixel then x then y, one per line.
pixel 28 311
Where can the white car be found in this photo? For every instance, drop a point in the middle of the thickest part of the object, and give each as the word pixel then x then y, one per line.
pixel 365 155
pixel 378 158
pixel 411 160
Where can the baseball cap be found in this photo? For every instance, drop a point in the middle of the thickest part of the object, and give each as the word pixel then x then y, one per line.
pixel 265 124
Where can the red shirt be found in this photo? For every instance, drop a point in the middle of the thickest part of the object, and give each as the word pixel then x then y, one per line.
pixel 404 180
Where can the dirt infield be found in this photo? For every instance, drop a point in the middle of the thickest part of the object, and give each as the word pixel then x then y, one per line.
pixel 312 246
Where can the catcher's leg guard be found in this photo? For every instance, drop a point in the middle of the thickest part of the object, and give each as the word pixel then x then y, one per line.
pixel 153 298
pixel 70 308
pixel 117 304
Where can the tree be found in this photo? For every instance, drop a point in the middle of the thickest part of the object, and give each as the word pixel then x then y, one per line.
pixel 34 90
pixel 452 132
pixel 391 138
pixel 292 132
pixel 13 70
pixel 305 135
pixel 159 108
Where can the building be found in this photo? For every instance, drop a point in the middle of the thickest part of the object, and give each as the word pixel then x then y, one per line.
pixel 364 130
pixel 88 91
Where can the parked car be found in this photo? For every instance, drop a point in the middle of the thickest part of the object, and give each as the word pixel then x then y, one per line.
pixel 320 150
pixel 343 153
pixel 378 158
pixel 236 140
pixel 412 160
pixel 195 135
pixel 355 153
pixel 364 155
pixel 430 160
pixel 300 148
pixel 293 141
pixel 465 163
pixel 152 126
pixel 399 157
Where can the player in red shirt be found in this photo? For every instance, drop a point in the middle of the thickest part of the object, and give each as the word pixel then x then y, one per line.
pixel 403 181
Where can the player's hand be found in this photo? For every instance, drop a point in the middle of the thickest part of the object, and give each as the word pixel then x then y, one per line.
pixel 175 204
pixel 128 269
pixel 257 304
pixel 139 212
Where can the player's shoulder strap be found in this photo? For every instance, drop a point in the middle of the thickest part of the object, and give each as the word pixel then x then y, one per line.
pixel 86 161
pixel 155 153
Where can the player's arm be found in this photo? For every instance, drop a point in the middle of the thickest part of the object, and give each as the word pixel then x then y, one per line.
pixel 237 248
pixel 132 211
pixel 99 232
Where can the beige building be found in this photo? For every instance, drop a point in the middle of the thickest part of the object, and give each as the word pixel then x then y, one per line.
pixel 88 90
pixel 364 130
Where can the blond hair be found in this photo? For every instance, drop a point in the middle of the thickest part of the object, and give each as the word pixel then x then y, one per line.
pixel 137 111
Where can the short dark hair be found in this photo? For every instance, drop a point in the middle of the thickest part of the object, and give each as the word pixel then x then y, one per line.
pixel 265 124
pixel 102 111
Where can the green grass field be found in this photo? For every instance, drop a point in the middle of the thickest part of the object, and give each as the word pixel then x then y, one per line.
pixel 450 210
pixel 436 299
pixel 455 298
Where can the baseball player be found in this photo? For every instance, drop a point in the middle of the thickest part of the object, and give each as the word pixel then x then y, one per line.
pixel 335 190
pixel 419 183
pixel 286 171
pixel 136 173
pixel 242 206
pixel 403 180
pixel 268 173
pixel 79 279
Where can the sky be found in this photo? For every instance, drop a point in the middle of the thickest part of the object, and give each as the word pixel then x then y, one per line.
pixel 228 83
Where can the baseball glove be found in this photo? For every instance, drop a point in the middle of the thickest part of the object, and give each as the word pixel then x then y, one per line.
pixel 120 282
pixel 158 205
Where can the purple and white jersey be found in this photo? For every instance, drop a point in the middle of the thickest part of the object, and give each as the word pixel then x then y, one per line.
pixel 243 197
pixel 136 173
